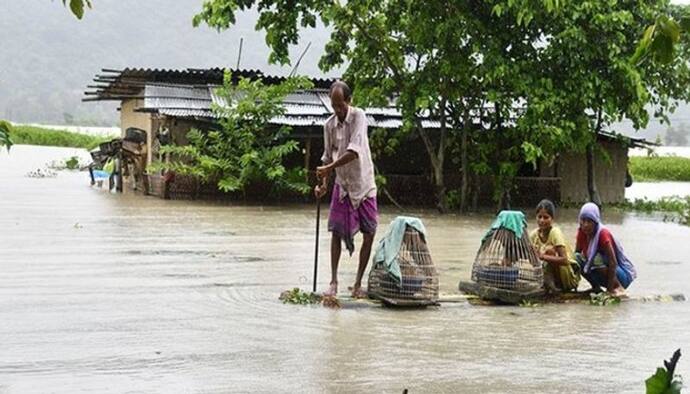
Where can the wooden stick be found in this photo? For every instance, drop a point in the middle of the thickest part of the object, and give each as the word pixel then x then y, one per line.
pixel 316 247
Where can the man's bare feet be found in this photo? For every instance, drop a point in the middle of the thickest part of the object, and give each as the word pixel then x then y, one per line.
pixel 358 292
pixel 332 290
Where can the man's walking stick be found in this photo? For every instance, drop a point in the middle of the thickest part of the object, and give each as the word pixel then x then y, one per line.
pixel 316 247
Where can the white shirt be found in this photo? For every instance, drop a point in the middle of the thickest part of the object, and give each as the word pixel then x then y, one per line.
pixel 356 178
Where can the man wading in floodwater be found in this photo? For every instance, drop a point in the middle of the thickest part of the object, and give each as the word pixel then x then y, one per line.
pixel 353 201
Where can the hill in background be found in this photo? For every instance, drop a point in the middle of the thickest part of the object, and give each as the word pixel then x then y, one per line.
pixel 49 57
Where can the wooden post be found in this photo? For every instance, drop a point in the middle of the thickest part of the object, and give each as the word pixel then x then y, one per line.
pixel 118 169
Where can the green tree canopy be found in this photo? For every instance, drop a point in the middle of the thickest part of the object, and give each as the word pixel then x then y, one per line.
pixel 591 77
pixel 440 59
pixel 541 76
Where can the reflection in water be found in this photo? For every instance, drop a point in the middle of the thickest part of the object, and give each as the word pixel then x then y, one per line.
pixel 148 295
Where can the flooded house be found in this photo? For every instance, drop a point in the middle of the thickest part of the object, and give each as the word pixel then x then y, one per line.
pixel 160 106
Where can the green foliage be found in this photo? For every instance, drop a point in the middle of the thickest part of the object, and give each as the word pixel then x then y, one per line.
pixel 603 299
pixel 72 163
pixel 5 131
pixel 383 142
pixel 442 60
pixel 31 135
pixel 528 304
pixel 77 6
pixel 660 168
pixel 664 380
pixel 69 163
pixel 543 75
pixel 679 207
pixel 453 199
pixel 247 149
pixel 668 75
pixel 299 297
pixel 660 39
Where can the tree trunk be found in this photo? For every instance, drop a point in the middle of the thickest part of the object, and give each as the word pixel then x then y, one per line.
pixel 437 157
pixel 440 187
pixel 436 168
pixel 591 182
pixel 506 198
pixel 476 189
pixel 307 156
pixel 464 161
pixel 119 168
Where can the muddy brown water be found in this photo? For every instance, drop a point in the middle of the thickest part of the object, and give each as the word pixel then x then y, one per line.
pixel 102 292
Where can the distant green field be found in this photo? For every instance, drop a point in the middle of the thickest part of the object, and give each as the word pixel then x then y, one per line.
pixel 666 168
pixel 31 135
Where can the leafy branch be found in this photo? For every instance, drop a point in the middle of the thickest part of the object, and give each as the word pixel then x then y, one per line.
pixel 659 40
pixel 665 381
pixel 77 6
pixel 5 129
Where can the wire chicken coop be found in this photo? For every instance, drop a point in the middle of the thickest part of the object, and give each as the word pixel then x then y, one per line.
pixel 506 259
pixel 419 281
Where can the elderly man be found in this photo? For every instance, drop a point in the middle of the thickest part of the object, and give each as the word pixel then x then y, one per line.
pixel 353 201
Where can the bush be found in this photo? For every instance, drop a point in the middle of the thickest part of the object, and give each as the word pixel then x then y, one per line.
pixel 246 149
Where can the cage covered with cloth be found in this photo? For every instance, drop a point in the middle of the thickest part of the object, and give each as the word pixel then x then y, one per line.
pixel 506 259
pixel 403 272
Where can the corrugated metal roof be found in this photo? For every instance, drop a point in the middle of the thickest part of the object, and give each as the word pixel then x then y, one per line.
pixel 176 96
pixel 325 100
pixel 305 108
pixel 122 84
pixel 391 123
pixel 303 97
pixel 300 120
pixel 182 103
pixel 177 91
pixel 186 113
pixel 384 111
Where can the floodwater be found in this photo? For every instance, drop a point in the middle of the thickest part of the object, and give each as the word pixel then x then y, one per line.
pixel 104 293
pixel 657 190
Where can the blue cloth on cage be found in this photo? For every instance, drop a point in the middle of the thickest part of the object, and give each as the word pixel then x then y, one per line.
pixel 389 246
pixel 512 220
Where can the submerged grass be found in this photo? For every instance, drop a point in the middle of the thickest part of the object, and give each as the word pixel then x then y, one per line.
pixel 32 135
pixel 678 207
pixel 655 168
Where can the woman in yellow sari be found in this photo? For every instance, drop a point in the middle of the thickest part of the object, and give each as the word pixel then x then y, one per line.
pixel 561 271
